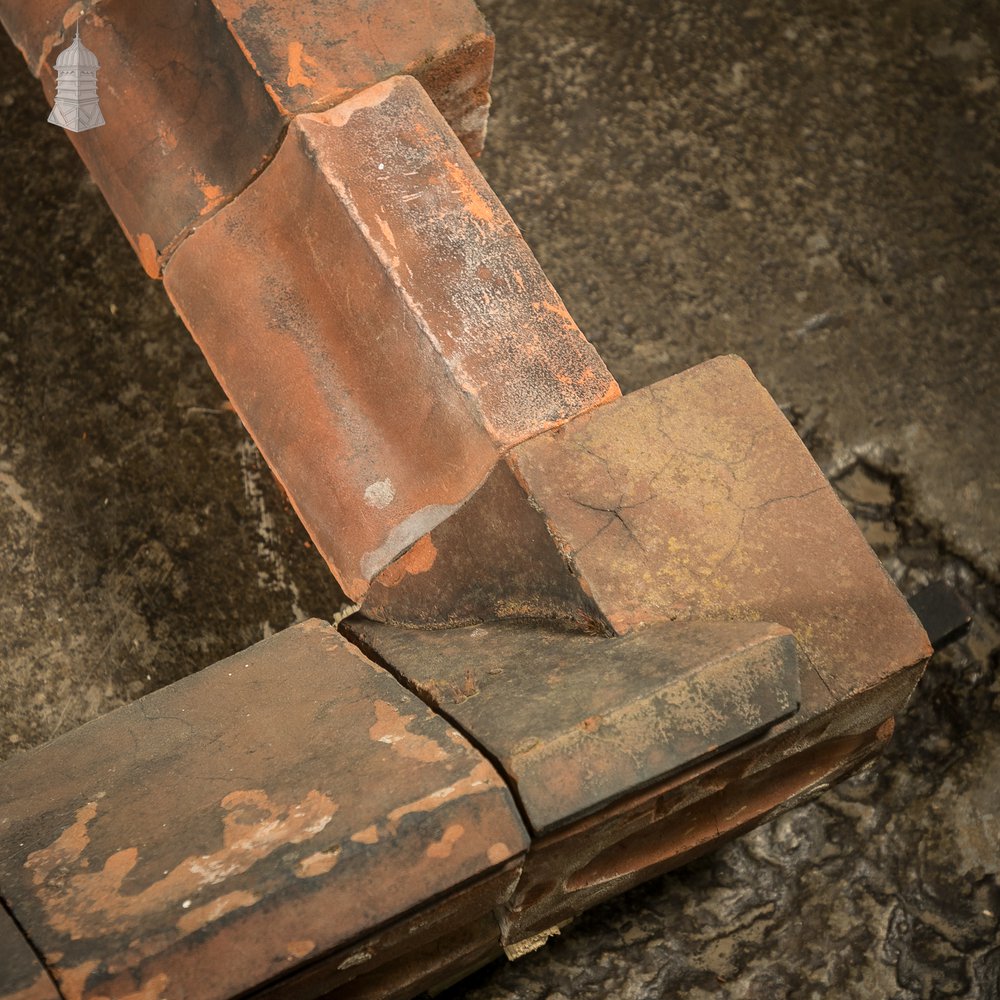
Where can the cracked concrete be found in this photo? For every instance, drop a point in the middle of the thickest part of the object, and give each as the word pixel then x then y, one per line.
pixel 814 189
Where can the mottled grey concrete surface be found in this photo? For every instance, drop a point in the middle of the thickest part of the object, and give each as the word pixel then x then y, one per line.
pixel 815 188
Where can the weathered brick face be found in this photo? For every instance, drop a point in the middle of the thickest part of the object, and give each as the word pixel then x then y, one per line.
pixel 380 325
pixel 36 27
pixel 690 499
pixel 196 95
pixel 311 56
pixel 632 627
pixel 232 813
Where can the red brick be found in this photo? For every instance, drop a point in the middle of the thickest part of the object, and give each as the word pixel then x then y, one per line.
pixel 291 811
pixel 579 722
pixel 22 976
pixel 196 95
pixel 687 501
pixel 311 56
pixel 690 499
pixel 37 26
pixel 380 326
pixel 569 715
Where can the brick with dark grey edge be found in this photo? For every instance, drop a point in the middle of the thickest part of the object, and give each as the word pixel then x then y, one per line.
pixel 293 796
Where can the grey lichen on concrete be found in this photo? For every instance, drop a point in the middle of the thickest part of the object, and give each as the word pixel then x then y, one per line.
pixel 815 189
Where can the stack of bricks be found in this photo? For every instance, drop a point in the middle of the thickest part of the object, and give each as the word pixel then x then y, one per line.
pixel 597 635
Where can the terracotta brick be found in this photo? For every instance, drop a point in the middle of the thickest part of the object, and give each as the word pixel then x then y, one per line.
pixel 311 56
pixel 506 568
pixel 36 27
pixel 196 95
pixel 690 499
pixel 578 721
pixel 630 755
pixel 671 824
pixel 694 498
pixel 289 812
pixel 380 326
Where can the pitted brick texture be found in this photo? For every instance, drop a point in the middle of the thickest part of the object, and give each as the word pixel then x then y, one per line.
pixel 380 325
pixel 196 94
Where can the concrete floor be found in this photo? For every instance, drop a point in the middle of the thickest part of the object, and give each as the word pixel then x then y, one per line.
pixel 817 189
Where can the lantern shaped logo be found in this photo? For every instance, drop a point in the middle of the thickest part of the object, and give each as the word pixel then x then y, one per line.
pixel 76 106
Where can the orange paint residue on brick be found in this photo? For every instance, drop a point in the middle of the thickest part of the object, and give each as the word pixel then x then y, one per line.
pixel 297 75
pixel 146 249
pixel 212 193
pixel 442 848
pixel 72 981
pixel 152 989
pixel 202 916
pixel 72 15
pixel 498 852
pixel 87 900
pixel 231 10
pixel 392 728
pixel 419 558
pixel 299 949
pixel 318 864
pixel 473 201
pixel 557 309
pixel 480 779
pixel 339 115
pixel 66 849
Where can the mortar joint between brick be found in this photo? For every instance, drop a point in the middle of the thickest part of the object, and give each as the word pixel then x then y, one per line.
pixel 437 708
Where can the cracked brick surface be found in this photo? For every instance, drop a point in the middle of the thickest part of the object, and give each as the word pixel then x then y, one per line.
pixel 22 975
pixel 245 804
pixel 578 722
pixel 692 498
pixel 196 95
pixel 134 554
pixel 380 325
